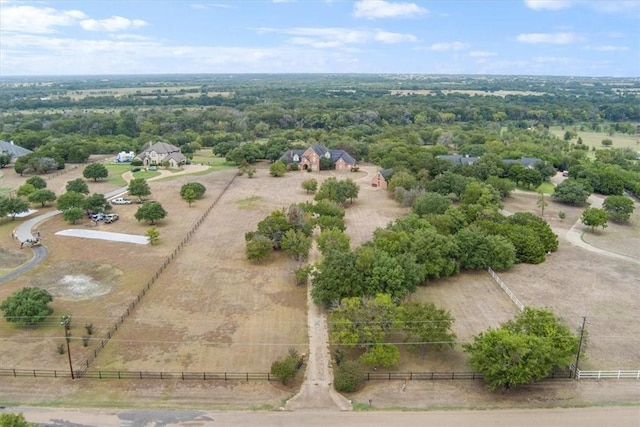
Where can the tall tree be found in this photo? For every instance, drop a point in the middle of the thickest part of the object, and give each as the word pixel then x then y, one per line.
pixel 37 182
pixel 594 217
pixel 138 187
pixel 78 185
pixel 296 244
pixel 150 212
pixel 70 199
pixel 42 196
pixel 95 171
pixel 618 208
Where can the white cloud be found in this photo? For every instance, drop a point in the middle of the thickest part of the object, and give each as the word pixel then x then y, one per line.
pixel 608 48
pixel 604 6
pixel 113 24
pixel 37 20
pixel 549 38
pixel 449 46
pixel 374 9
pixel 481 54
pixel 548 4
pixel 323 38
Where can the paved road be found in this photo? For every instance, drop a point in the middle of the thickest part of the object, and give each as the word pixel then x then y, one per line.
pixel 579 417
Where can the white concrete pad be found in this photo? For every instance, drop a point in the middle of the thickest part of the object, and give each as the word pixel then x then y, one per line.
pixel 25 213
pixel 105 235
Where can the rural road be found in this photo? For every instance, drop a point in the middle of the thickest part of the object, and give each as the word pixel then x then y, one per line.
pixel 579 417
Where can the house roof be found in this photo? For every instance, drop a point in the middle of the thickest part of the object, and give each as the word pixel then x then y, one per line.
pixel 161 148
pixel 386 173
pixel 524 161
pixel 178 157
pixel 341 154
pixel 288 155
pixel 458 159
pixel 14 150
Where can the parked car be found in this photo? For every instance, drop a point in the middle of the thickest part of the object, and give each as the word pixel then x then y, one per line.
pixel 111 218
pixel 121 201
pixel 98 216
pixel 135 169
pixel 152 168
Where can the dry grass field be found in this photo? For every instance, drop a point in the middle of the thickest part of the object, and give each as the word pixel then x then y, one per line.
pixel 212 310
pixel 594 139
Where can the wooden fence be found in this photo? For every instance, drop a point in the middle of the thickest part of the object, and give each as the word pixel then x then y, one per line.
pixel 243 376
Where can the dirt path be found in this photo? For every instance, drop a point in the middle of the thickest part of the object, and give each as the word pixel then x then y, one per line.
pixel 187 169
pixel 317 392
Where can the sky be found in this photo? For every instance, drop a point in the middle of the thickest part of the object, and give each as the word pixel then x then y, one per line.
pixel 507 37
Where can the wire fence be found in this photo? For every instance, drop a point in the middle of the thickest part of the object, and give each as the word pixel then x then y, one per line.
pixel 505 288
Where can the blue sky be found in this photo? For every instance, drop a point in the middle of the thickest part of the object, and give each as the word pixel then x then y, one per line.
pixel 532 37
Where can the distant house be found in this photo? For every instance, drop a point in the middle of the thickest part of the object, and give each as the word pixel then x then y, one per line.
pixel 458 159
pixel 527 162
pixel 15 150
pixel 161 152
pixel 309 159
pixel 381 179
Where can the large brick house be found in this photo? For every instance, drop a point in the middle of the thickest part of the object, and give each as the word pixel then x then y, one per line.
pixel 309 159
pixel 161 152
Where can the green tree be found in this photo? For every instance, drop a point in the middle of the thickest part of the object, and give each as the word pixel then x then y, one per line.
pixel 5 159
pixel 336 277
pixel 139 187
pixel 96 203
pixel 78 185
pixel 310 185
pixel 531 178
pixel 189 196
pixel 562 215
pixel 426 326
pixel 70 199
pixel 296 244
pixel 197 188
pixel 258 248
pixel 95 171
pixel 523 350
pixel 594 217
pixel 153 235
pixel 37 182
pixel 150 212
pixel 618 208
pixel 274 227
pixel 25 190
pixel 572 192
pixel 277 169
pixel 42 196
pixel 385 355
pixel 504 186
pixel 473 249
pixel 431 203
pixel 73 215
pixel 502 253
pixel 333 239
pixel 13 206
pixel 28 306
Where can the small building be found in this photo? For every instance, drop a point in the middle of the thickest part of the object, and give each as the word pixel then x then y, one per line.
pixel 382 178
pixel 160 152
pixel 458 159
pixel 124 157
pixel 309 159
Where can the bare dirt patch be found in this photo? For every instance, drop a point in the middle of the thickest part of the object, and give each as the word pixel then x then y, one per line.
pixel 11 258
pixel 78 280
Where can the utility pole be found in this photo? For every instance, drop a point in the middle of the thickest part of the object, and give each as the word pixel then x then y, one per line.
pixel 584 320
pixel 66 323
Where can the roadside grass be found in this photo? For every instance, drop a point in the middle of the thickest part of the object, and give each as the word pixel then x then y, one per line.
pixel 116 171
pixel 248 201
pixel 5 190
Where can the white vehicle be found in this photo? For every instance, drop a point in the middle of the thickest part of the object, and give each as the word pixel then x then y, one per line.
pixel 121 201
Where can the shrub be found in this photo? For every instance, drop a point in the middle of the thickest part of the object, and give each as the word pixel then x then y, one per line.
pixel 348 377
